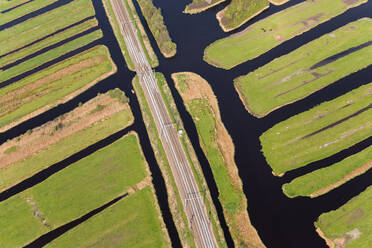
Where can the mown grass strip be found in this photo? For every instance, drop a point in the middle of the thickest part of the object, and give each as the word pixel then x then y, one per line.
pixel 50 55
pixel 114 226
pixel 319 132
pixel 197 6
pixel 24 10
pixel 44 146
pixel 307 69
pixel 350 225
pixel 324 180
pixel 43 25
pixel 217 145
pixel 239 12
pixel 48 42
pixel 53 85
pixel 9 4
pixel 78 189
pixel 268 33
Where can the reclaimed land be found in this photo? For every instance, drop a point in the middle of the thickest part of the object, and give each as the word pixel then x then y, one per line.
pixel 350 225
pixel 278 2
pixel 319 132
pixel 43 25
pixel 307 69
pixel 114 227
pixel 24 10
pixel 266 34
pixel 216 143
pixel 56 140
pixel 141 33
pixel 38 60
pixel 197 6
pixel 239 12
pixel 54 85
pixel 326 179
pixel 159 30
pixel 73 192
pixel 9 4
pixel 52 40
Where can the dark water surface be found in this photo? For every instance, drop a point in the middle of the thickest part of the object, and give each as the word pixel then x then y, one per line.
pixel 281 222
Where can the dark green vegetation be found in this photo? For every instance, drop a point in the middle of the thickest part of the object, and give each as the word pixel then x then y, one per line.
pixel 324 180
pixel 319 132
pixel 132 222
pixel 155 21
pixel 197 6
pixel 239 12
pixel 56 140
pixel 266 34
pixel 53 85
pixel 217 145
pixel 307 69
pixel 78 189
pixel 350 225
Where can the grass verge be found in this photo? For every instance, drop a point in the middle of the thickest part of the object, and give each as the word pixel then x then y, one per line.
pixel 56 140
pixel 307 69
pixel 319 132
pixel 268 33
pixel 78 189
pixel 350 225
pixel 216 143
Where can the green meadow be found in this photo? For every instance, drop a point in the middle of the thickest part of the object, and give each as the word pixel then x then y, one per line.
pixel 351 223
pixel 319 132
pixel 73 192
pixel 307 69
pixel 268 33
pixel 113 227
pixel 197 6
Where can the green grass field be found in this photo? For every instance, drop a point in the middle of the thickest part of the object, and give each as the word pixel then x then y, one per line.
pixel 268 33
pixel 324 180
pixel 298 74
pixel 114 227
pixel 78 189
pixel 95 130
pixel 239 12
pixel 7 4
pixel 48 42
pixel 38 27
pixel 24 10
pixel 319 132
pixel 350 225
pixel 53 84
pixel 197 6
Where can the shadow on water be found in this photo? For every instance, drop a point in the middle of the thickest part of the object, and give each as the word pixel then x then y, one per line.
pixel 280 221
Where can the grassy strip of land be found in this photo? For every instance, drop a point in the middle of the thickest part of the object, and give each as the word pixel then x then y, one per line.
pixel 308 69
pixel 40 26
pixel 197 6
pixel 22 53
pixel 134 221
pixel 278 2
pixel 69 194
pixel 56 140
pixel 49 55
pixel 54 85
pixel 216 143
pixel 319 132
pixel 266 34
pixel 24 10
pixel 239 12
pixel 7 4
pixel 155 21
pixel 324 180
pixel 350 225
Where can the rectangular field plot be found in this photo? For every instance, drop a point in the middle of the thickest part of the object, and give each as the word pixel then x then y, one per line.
pixel 134 221
pixel 350 225
pixel 320 132
pixel 268 33
pixel 324 180
pixel 308 69
pixel 73 192
pixel 56 140
pixel 54 85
